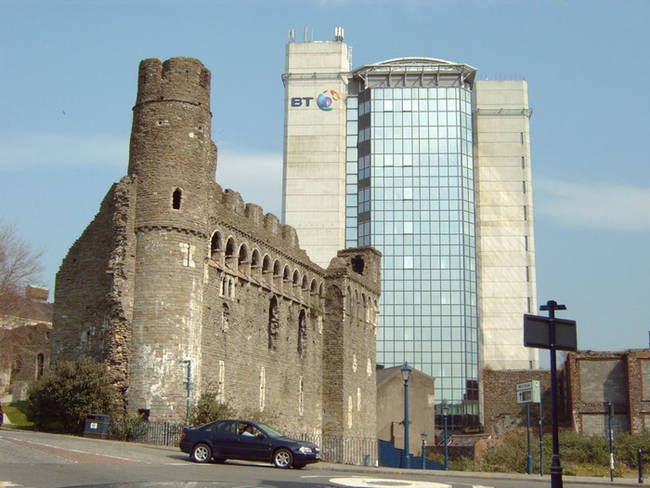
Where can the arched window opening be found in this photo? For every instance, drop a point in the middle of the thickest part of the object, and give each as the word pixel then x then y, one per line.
pixel 304 288
pixel 277 275
pixel 40 366
pixel 225 318
pixel 274 323
pixel 242 259
pixel 286 279
pixel 230 253
pixel 231 288
pixel 223 289
pixel 267 274
pixel 176 199
pixel 313 287
pixel 302 332
pixel 295 280
pixel 215 246
pixel 255 263
pixel 358 264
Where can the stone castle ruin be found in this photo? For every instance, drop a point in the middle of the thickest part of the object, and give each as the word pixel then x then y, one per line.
pixel 174 269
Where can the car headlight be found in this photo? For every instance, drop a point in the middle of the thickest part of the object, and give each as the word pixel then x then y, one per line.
pixel 305 450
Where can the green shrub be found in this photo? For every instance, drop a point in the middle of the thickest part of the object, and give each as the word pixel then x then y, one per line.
pixel 71 390
pixel 208 409
pixel 580 454
pixel 129 428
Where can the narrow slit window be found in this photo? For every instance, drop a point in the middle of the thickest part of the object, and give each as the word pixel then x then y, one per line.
pixel 176 199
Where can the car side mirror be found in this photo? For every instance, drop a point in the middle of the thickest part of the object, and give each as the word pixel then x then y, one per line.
pixel 260 436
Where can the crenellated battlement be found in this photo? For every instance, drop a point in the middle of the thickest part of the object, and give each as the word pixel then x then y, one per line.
pixel 176 79
pixel 267 223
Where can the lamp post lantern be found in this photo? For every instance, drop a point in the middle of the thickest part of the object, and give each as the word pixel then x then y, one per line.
pixel 406 371
pixel 445 412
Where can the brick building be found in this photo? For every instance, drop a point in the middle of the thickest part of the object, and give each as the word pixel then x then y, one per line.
pixel 174 269
pixel 594 378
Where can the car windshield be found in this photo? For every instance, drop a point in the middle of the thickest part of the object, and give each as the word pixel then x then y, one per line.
pixel 271 430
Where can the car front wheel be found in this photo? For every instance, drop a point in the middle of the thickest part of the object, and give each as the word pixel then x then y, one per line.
pixel 283 458
pixel 201 453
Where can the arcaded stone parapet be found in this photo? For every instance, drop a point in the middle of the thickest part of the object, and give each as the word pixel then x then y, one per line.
pixel 233 201
pixel 272 224
pixel 255 214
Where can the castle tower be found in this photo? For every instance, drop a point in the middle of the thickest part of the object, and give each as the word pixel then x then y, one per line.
pixel 173 160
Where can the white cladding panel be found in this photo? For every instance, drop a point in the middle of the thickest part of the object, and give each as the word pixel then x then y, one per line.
pixel 314 165
pixel 505 239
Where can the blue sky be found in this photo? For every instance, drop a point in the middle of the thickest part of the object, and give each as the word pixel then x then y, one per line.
pixel 69 83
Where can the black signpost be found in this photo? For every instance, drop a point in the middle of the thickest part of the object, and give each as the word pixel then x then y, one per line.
pixel 554 334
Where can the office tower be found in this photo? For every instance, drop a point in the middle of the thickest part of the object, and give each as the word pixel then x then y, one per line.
pixel 437 177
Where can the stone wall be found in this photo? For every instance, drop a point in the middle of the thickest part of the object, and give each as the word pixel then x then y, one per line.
pixel 501 410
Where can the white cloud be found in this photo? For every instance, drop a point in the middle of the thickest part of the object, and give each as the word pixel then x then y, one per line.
pixel 63 150
pixel 604 206
pixel 257 176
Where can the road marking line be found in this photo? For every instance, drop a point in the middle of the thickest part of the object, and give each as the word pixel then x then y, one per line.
pixel 386 483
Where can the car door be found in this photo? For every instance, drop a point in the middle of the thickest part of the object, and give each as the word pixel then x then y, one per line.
pixel 224 440
pixel 253 445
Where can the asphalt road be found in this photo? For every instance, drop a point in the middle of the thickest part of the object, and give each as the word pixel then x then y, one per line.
pixel 38 460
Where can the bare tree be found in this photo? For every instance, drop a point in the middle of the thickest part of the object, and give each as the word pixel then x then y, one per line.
pixel 20 265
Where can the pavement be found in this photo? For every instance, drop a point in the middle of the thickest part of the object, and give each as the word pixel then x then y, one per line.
pixel 630 480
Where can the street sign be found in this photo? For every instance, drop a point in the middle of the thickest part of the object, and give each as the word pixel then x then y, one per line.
pixel 537 333
pixel 528 392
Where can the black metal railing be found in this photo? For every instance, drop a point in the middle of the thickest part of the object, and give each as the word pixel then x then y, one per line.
pixel 334 449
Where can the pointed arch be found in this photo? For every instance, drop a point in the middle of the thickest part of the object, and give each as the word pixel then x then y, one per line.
pixel 177 198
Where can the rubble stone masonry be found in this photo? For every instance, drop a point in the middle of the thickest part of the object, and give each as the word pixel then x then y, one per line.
pixel 173 269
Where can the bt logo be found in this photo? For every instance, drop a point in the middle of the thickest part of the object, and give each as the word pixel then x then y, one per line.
pixel 324 100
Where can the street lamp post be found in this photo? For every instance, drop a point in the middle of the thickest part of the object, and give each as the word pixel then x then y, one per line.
pixel 610 435
pixel 556 468
pixel 406 371
pixel 445 412
pixel 188 387
pixel 424 450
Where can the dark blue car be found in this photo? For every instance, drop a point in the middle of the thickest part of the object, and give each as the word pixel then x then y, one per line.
pixel 251 441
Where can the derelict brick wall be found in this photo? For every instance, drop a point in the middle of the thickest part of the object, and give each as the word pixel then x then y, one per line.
pixel 81 314
pixel 639 397
pixel 501 410
pixel 600 377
